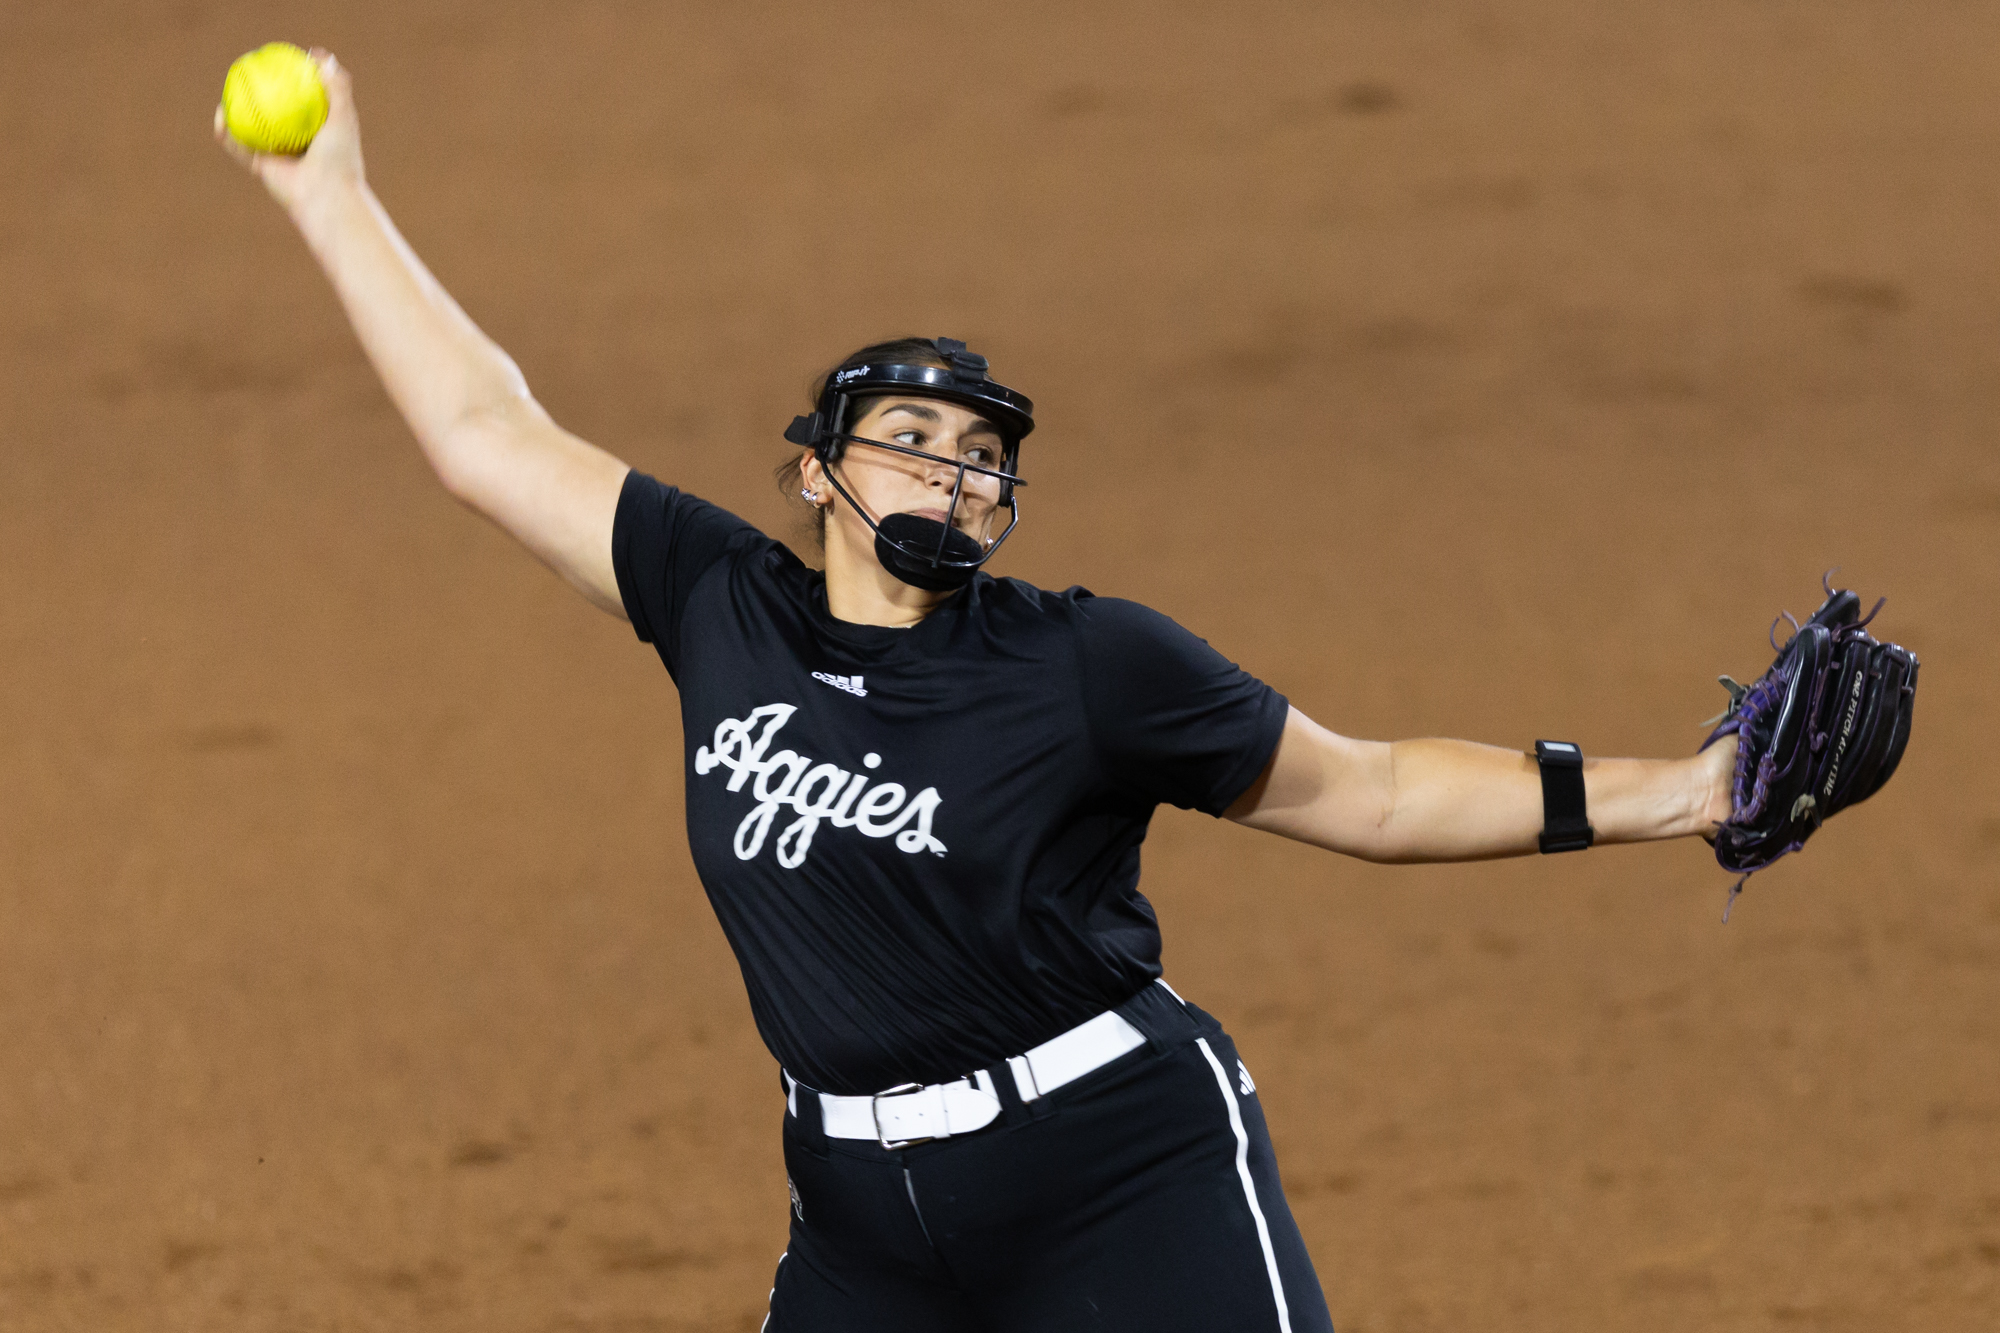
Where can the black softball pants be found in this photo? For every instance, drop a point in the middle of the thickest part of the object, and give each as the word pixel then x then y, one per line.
pixel 1143 1196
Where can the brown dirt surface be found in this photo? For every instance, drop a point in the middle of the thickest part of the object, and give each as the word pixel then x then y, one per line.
pixel 1466 369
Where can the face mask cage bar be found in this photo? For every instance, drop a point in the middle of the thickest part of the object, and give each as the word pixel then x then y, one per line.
pixel 935 559
pixel 963 382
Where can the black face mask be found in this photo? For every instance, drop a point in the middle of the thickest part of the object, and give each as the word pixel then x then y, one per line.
pixel 950 560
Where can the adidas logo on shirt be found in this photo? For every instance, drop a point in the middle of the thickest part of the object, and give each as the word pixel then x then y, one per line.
pixel 852 684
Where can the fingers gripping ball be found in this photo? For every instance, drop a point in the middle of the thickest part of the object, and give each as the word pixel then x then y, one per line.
pixel 272 99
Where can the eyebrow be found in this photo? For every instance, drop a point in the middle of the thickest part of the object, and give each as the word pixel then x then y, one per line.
pixel 979 424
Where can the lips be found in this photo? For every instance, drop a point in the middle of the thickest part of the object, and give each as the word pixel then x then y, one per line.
pixel 934 515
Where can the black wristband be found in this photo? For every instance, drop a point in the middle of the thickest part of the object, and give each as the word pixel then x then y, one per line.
pixel 1565 824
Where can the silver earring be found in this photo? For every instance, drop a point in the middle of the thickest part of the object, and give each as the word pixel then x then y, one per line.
pixel 810 497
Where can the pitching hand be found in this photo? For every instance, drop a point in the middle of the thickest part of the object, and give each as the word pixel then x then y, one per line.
pixel 333 157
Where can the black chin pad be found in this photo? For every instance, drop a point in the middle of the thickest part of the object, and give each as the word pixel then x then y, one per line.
pixel 905 543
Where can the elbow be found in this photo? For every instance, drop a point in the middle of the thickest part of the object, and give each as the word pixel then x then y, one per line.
pixel 459 476
pixel 464 451
pixel 1362 826
pixel 1378 846
pixel 452 474
pixel 1384 831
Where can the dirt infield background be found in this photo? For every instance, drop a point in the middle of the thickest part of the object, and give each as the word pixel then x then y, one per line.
pixel 1493 370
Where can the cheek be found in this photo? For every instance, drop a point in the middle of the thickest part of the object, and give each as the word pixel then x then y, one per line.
pixel 865 484
pixel 868 471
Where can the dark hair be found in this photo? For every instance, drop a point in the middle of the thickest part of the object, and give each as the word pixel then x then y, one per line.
pixel 894 352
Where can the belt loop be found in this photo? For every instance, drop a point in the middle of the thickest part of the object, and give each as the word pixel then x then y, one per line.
pixel 803 1103
pixel 1013 1111
pixel 1161 1016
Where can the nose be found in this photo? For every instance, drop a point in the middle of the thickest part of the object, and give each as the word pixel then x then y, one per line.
pixel 943 474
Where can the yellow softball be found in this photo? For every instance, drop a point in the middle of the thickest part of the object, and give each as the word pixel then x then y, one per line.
pixel 272 99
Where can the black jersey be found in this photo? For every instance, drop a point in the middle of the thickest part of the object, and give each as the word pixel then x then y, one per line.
pixel 923 843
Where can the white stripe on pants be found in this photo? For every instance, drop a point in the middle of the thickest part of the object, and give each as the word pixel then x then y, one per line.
pixel 1249 1188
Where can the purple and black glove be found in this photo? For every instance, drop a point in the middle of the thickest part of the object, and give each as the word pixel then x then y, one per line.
pixel 1821 730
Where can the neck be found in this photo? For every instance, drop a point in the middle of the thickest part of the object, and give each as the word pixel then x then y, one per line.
pixel 861 592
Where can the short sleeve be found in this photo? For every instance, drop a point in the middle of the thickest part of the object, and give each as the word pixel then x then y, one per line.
pixel 662 541
pixel 1175 721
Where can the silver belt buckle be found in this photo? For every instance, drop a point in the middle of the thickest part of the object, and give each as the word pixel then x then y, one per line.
pixel 875 1111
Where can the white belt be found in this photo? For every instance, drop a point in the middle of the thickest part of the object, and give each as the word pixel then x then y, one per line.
pixel 912 1113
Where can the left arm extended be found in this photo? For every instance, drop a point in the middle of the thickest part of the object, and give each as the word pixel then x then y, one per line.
pixel 1447 800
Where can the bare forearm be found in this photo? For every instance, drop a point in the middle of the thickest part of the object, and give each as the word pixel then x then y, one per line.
pixel 439 369
pixel 1460 801
pixel 1447 800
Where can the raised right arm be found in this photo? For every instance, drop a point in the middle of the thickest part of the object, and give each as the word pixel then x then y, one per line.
pixel 489 441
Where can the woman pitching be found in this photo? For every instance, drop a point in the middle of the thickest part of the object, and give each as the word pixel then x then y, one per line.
pixel 916 795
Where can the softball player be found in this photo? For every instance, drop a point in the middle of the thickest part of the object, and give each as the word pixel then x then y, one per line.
pixel 916 795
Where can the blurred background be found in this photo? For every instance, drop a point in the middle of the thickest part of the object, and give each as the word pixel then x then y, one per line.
pixel 1479 369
